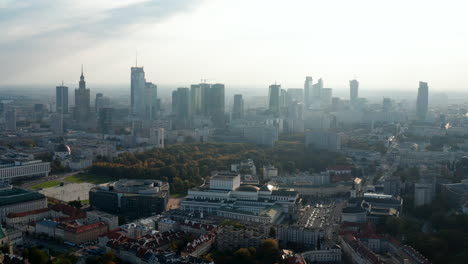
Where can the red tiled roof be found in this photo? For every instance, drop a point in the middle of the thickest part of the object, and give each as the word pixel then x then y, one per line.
pixel 84 228
pixel 32 212
pixel 72 212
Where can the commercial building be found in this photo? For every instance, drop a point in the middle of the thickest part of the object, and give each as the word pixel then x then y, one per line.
pixel 308 90
pixel 353 91
pixel 10 120
pixel 131 198
pixel 323 140
pixel 424 193
pixel 238 107
pixel 19 169
pixel 263 135
pixel 181 103
pixel 14 200
pixel 300 235
pixel 112 221
pixel 274 99
pixel 422 101
pixel 226 197
pixel 457 193
pixel 61 99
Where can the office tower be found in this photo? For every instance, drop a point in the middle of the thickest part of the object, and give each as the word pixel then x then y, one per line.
pixel 157 137
pixel 353 91
pixel 422 101
pixel 137 90
pixel 386 105
pixel 100 102
pixel 196 99
pixel 57 124
pixel 238 107
pixel 181 103
pixel 326 95
pixel 216 100
pixel 307 90
pixel 105 120
pixel 316 91
pixel 10 120
pixel 205 98
pixel 82 100
pixel 151 100
pixel 274 98
pixel 295 111
pixel 294 95
pixel 61 99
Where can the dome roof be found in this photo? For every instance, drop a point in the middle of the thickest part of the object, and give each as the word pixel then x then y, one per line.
pixel 248 188
pixel 62 148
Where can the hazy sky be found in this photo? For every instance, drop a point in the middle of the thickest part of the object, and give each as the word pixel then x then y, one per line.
pixel 385 44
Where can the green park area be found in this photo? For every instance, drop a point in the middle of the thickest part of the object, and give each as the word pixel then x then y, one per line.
pixel 46 184
pixel 89 178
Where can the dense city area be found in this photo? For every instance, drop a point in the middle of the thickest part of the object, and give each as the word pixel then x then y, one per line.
pixel 310 178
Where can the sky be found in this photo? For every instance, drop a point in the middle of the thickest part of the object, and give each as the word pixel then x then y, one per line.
pixel 242 43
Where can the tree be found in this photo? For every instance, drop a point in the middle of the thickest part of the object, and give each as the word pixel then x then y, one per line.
pixel 272 233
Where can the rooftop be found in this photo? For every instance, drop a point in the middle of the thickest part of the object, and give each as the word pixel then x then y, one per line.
pixel 15 196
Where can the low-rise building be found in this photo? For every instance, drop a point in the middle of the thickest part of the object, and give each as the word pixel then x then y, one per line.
pixel 112 221
pixel 19 169
pixel 79 234
pixel 13 200
pixel 326 255
pixel 232 238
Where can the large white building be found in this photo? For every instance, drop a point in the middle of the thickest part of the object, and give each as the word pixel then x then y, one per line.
pixel 226 197
pixel 323 140
pixel 24 169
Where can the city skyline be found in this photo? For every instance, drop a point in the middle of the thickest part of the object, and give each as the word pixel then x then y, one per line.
pixel 379 54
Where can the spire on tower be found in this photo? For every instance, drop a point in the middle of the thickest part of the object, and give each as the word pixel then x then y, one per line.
pixel 81 70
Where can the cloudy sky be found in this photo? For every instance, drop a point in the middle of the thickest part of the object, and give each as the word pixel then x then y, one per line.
pixel 249 43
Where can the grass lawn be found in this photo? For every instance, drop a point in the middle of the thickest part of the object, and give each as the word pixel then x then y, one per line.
pixel 83 177
pixel 178 195
pixel 46 184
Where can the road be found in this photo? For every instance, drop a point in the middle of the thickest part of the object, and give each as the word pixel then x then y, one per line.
pixel 56 177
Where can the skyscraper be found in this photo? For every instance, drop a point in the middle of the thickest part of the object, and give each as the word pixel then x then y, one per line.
pixel 216 99
pixel 100 102
pixel 82 100
pixel 137 90
pixel 181 103
pixel 105 120
pixel 151 100
pixel 196 99
pixel 307 90
pixel 61 99
pixel 422 101
pixel 353 91
pixel 326 95
pixel 10 120
pixel 316 91
pixel 274 98
pixel 238 107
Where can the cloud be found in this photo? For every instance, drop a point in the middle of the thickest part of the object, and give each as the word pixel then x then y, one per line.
pixel 36 32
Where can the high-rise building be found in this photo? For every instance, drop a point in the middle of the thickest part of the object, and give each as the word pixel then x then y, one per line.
pixel 181 103
pixel 422 101
pixel 216 99
pixel 274 99
pixel 105 120
pixel 353 91
pixel 61 99
pixel 294 95
pixel 10 120
pixel 238 107
pixel 387 105
pixel 316 91
pixel 151 101
pixel 137 89
pixel 307 90
pixel 82 100
pixel 57 124
pixel 144 95
pixel 100 102
pixel 326 95
pixel 197 99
